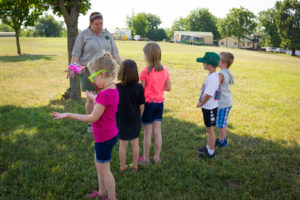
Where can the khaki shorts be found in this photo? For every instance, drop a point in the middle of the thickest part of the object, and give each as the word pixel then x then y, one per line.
pixel 85 83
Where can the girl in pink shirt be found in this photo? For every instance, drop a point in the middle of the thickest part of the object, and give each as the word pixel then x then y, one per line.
pixel 103 122
pixel 155 79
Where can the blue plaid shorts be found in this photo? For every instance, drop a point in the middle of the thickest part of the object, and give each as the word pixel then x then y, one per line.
pixel 222 117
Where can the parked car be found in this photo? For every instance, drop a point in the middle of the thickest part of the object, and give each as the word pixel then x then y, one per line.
pixel 270 49
pixel 280 50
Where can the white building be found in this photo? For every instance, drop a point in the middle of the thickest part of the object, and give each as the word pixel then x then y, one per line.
pixel 122 34
pixel 7 34
pixel 193 37
pixel 249 42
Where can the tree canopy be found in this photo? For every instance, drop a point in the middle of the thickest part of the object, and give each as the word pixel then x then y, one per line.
pixel 268 28
pixel 288 23
pixel 239 23
pixel 18 13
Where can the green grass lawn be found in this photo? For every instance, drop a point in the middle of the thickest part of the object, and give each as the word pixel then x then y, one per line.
pixel 45 159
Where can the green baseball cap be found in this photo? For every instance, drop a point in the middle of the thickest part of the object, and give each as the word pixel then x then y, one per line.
pixel 210 58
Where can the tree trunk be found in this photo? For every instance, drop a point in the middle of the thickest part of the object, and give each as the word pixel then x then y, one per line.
pixel 18 42
pixel 72 32
pixel 71 19
pixel 239 42
pixel 293 52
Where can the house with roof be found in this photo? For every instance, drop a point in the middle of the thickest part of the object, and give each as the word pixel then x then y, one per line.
pixel 249 42
pixel 194 37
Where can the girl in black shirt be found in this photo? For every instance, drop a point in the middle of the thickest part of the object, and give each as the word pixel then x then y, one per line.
pixel 130 110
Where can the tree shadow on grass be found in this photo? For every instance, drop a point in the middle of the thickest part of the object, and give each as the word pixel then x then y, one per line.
pixel 25 57
pixel 45 159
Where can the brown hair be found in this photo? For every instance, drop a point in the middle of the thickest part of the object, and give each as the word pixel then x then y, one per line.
pixel 105 62
pixel 153 54
pixel 128 73
pixel 93 16
pixel 227 57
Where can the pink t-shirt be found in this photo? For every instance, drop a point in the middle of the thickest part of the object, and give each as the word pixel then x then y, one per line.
pixel 106 128
pixel 154 84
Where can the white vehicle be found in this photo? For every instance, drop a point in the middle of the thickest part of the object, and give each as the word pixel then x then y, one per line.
pixel 280 50
pixel 137 37
pixel 270 49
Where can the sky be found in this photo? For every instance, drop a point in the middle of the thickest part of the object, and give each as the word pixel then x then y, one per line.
pixel 115 11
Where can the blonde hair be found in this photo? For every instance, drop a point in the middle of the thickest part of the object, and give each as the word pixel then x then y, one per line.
pixel 105 62
pixel 153 55
pixel 227 57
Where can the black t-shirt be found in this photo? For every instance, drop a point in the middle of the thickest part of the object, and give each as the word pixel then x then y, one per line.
pixel 128 116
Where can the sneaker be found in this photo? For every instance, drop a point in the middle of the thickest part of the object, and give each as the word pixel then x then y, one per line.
pixel 95 195
pixel 89 128
pixel 205 154
pixel 199 150
pixel 142 161
pixel 219 144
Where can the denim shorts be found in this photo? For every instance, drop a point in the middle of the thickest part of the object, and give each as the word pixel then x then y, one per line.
pixel 222 117
pixel 152 112
pixel 103 150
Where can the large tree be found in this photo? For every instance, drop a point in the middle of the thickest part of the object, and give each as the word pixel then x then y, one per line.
pixel 178 25
pixel 239 23
pixel 202 20
pixel 146 25
pixel 47 26
pixel 288 23
pixel 70 10
pixel 18 13
pixel 267 25
pixel 141 24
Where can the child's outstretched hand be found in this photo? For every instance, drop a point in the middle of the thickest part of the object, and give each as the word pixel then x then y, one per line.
pixel 91 95
pixel 58 115
pixel 198 105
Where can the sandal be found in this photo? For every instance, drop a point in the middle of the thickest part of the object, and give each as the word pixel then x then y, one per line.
pixel 142 161
pixel 133 168
pixel 93 195
pixel 156 161
pixel 123 169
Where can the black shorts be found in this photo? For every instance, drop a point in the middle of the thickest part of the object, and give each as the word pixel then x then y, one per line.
pixel 152 112
pixel 210 117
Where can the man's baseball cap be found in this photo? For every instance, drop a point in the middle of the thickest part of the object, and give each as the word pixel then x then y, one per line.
pixel 210 58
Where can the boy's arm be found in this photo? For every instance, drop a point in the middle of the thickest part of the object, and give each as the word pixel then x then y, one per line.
pixel 93 117
pixel 221 78
pixel 205 99
pixel 142 107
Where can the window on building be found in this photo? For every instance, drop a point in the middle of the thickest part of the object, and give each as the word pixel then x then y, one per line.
pixel 235 43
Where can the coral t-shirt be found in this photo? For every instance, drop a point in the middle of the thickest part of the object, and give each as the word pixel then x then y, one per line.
pixel 154 84
pixel 106 128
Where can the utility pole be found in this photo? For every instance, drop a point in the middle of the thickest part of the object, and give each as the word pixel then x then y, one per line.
pixel 132 15
pixel 226 35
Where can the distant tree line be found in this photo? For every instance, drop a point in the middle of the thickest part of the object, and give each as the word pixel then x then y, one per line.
pixel 45 26
pixel 279 26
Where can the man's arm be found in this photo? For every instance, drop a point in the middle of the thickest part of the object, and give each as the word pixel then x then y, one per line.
pixel 117 58
pixel 74 59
